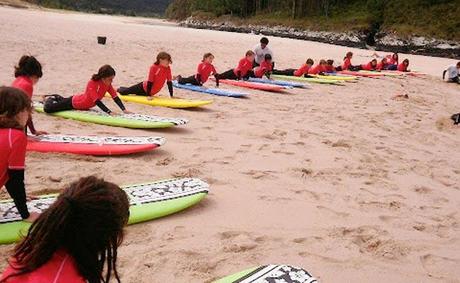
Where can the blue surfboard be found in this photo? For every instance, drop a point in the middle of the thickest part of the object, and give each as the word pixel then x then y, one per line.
pixel 214 91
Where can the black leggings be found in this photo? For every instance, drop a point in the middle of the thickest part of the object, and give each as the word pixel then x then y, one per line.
pixel 56 103
pixel 137 89
pixel 228 75
pixel 287 72
pixel 189 80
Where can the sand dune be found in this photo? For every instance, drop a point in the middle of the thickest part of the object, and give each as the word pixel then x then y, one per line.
pixel 344 181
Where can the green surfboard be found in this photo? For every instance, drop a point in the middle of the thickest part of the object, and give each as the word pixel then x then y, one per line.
pixel 303 79
pixel 136 121
pixel 270 273
pixel 147 201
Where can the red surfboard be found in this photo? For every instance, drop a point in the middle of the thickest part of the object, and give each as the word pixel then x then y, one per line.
pixel 367 75
pixel 251 85
pixel 92 145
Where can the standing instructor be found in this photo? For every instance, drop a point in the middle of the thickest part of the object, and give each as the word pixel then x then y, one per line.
pixel 261 50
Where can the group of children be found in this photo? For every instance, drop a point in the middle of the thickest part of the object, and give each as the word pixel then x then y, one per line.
pixel 53 250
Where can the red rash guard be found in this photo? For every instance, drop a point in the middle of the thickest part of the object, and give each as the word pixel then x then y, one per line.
pixel 95 90
pixel 158 75
pixel 391 61
pixel 61 268
pixel 25 84
pixel 381 66
pixel 205 70
pixel 244 66
pixel 316 70
pixel 302 70
pixel 13 143
pixel 262 69
pixel 346 64
pixel 368 67
pixel 329 69
pixel 402 67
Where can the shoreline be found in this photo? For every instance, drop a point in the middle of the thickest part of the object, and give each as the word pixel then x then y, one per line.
pixel 383 42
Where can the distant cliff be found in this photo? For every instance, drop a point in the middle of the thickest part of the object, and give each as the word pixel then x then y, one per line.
pixel 125 7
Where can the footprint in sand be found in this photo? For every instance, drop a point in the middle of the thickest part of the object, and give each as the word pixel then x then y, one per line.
pixel 165 161
pixel 255 174
pixel 441 267
pixel 333 212
pixel 238 242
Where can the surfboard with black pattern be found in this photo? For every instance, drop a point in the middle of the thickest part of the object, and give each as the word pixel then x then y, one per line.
pixel 93 145
pixel 270 274
pixel 135 121
pixel 147 201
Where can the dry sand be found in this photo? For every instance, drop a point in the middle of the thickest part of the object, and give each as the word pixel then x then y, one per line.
pixel 341 180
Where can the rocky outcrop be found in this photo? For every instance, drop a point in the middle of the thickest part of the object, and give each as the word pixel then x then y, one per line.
pixel 383 41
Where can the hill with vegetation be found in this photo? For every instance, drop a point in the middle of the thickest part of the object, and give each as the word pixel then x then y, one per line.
pixel 125 7
pixel 431 18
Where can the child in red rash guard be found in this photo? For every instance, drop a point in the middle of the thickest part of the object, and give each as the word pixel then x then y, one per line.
pixel 329 68
pixel 160 72
pixel 371 66
pixel 265 67
pixel 303 70
pixel 27 73
pixel 318 69
pixel 242 71
pixel 76 239
pixel 204 70
pixel 96 88
pixel 14 113
pixel 383 65
pixel 403 66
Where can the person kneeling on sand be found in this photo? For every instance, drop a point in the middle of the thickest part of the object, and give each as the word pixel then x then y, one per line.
pixel 96 88
pixel 260 50
pixel 203 71
pixel 75 239
pixel 453 74
pixel 160 72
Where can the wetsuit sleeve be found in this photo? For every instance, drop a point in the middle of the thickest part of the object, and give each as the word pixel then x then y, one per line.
pixel 103 107
pixel 112 92
pixel 170 88
pixel 238 75
pixel 30 125
pixel 119 103
pixel 216 76
pixel 16 188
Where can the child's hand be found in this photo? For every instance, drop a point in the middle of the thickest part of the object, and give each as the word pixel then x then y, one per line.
pixel 127 112
pixel 32 217
pixel 149 97
pixel 113 114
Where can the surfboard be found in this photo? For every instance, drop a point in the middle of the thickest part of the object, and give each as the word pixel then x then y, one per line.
pixel 164 102
pixel 303 79
pixel 336 77
pixel 270 274
pixel 360 74
pixel 147 201
pixel 382 73
pixel 251 85
pixel 279 82
pixel 92 145
pixel 136 121
pixel 214 91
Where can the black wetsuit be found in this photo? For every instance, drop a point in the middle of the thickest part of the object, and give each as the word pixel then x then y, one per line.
pixel 56 103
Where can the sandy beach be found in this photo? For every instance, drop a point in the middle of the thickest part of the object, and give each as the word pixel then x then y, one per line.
pixel 344 181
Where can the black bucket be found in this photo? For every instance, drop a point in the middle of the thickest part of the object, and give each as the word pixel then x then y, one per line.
pixel 101 40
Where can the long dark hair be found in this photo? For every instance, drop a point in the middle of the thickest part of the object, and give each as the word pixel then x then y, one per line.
pixel 12 102
pixel 105 71
pixel 163 56
pixel 28 66
pixel 86 220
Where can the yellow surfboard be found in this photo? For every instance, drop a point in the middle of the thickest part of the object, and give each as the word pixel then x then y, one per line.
pixel 164 102
pixel 336 78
